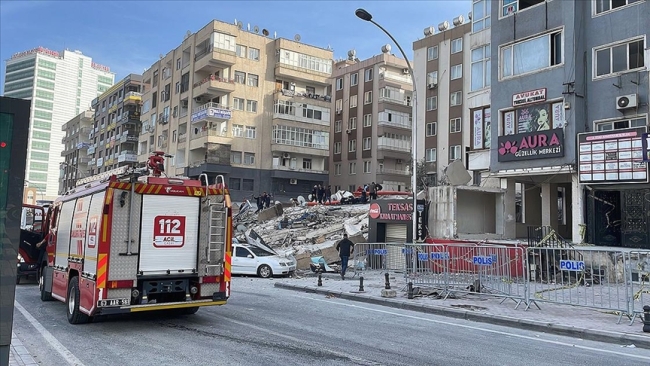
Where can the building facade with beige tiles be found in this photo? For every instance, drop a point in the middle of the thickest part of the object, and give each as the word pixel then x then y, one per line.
pixel 244 105
pixel 76 141
pixel 371 123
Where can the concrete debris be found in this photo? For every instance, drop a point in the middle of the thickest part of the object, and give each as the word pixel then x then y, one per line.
pixel 304 231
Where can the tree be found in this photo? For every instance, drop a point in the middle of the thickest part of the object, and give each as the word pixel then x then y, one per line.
pixel 421 174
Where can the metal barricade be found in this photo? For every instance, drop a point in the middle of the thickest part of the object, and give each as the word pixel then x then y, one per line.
pixel 427 265
pixel 586 277
pixel 638 271
pixel 378 257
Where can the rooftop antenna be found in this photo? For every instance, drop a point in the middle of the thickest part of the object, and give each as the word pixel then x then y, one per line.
pixel 297 38
pixel 256 29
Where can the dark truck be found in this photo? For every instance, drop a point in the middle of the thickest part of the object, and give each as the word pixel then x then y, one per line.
pixel 32 231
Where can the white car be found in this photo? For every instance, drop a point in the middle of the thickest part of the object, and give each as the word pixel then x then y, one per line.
pixel 253 260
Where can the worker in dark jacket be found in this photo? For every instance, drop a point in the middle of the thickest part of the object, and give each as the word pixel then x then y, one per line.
pixel 345 248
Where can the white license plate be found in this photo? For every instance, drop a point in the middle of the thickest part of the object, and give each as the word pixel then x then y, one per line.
pixel 113 302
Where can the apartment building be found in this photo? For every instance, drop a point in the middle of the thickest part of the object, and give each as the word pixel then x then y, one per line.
pixel 76 142
pixel 570 94
pixel 371 123
pixel 116 126
pixel 442 67
pixel 61 85
pixel 244 105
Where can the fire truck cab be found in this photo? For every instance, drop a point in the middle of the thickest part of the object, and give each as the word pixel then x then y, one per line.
pixel 124 241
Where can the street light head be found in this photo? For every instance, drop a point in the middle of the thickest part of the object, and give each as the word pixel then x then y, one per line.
pixel 362 14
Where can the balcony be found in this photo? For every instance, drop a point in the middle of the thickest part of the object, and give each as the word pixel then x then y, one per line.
pixel 198 140
pixel 132 138
pixel 299 170
pixel 182 137
pixel 297 113
pixel 284 70
pixel 111 126
pixel 83 145
pixel 402 79
pixel 214 58
pixel 82 160
pixel 211 112
pixel 91 150
pixel 385 143
pixel 214 86
pixel 393 172
pixel 127 156
pixel 299 97
pixel 133 97
pixel 394 100
pixel 130 116
pixel 398 123
pixel 299 147
pixel 112 109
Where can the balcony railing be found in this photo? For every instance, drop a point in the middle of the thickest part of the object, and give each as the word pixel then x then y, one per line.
pixel 210 110
pixel 406 79
pixel 395 100
pixel 297 143
pixel 213 78
pixel 393 144
pixel 209 133
pixel 392 171
pixel 128 138
pixel 301 170
pixel 182 137
pixel 313 96
pixel 402 123
pixel 133 95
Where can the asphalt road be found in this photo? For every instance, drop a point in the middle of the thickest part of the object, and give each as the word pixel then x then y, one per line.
pixel 263 325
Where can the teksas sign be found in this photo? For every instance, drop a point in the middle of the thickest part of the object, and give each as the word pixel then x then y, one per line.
pixel 529 97
pixel 531 145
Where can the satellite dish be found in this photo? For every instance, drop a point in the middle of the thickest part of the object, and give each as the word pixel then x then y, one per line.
pixel 386 48
pixel 296 38
pixel 352 54
pixel 265 32
pixel 161 55
pixel 256 29
pixel 240 25
pixel 301 200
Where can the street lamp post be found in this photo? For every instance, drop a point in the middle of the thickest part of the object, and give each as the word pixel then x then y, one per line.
pixel 364 15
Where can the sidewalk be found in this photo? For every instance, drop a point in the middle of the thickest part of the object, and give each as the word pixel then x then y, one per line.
pixel 577 322
pixel 18 355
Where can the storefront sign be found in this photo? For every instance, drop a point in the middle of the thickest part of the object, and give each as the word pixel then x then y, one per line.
pixel 400 211
pixel 531 145
pixel 645 140
pixel 529 97
pixel 478 129
pixel 613 156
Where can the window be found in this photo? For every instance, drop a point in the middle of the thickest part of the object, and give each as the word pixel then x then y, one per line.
pixel 352 123
pixel 531 55
pixel 602 6
pixel 430 155
pixel 248 184
pixel 354 79
pixel 481 10
pixel 251 106
pixel 44 84
pixel 367 143
pixel 40 156
pixel 366 166
pixel 339 104
pixel 337 169
pixel 432 53
pixel 367 120
pixel 480 128
pixel 510 7
pixel 44 94
pixel 367 97
pixel 337 147
pixel 456 45
pixel 43 104
pixel 432 77
pixel 353 101
pixel 249 159
pixel 432 103
pixel 353 168
pixel 306 163
pixel 250 132
pixel 47 64
pixel 253 80
pixel 456 71
pixel 456 98
pixel 481 67
pixel 454 153
pixel 338 126
pixel 432 128
pixel 619 58
pixel 240 77
pixel 238 104
pixel 235 157
pixel 455 125
pixel 615 125
pixel 254 54
pixel 235 185
pixel 40 135
pixel 352 145
pixel 368 75
pixel 339 84
pixel 237 130
pixel 241 50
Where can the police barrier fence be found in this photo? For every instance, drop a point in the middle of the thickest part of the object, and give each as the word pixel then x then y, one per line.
pixel 378 257
pixel 638 266
pixel 579 276
pixel 468 268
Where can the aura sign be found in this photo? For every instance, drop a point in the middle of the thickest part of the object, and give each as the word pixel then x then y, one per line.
pixel 531 145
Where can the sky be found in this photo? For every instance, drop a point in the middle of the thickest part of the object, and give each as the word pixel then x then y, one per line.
pixel 128 35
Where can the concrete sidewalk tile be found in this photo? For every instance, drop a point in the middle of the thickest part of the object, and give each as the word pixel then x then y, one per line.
pixel 19 355
pixel 499 314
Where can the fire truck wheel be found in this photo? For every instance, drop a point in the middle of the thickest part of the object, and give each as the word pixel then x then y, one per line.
pixel 265 271
pixel 45 296
pixel 190 311
pixel 75 316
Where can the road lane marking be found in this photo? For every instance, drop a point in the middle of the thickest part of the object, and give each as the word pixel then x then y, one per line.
pixel 479 328
pixel 355 359
pixel 60 348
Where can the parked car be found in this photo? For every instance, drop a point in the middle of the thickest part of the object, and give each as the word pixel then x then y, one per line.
pixel 249 259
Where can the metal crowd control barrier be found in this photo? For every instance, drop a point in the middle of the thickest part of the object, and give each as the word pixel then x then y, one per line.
pixel 638 270
pixel 380 257
pixel 469 268
pixel 586 277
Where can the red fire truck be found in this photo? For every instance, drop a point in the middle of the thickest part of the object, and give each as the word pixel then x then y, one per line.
pixel 126 241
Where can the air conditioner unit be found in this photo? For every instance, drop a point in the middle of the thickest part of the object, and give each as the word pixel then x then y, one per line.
pixel 286 155
pixel 398 161
pixel 293 181
pixel 338 111
pixel 348 131
pixel 405 71
pixel 432 85
pixel 626 102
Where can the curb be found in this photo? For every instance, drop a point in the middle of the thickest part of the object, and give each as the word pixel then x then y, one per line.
pixel 551 328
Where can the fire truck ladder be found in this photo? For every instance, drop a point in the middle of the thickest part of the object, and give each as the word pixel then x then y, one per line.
pixel 217 231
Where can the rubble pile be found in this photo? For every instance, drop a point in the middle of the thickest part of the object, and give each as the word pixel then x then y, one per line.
pixel 305 231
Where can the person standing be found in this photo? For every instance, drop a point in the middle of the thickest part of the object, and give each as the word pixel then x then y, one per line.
pixel 328 194
pixel 345 248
